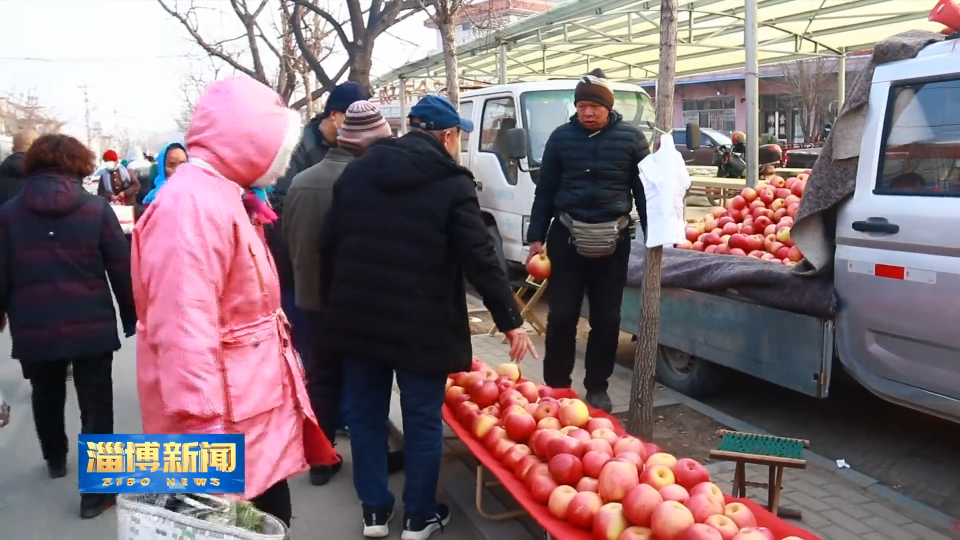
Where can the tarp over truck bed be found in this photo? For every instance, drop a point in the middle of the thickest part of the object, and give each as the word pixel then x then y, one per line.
pixel 763 282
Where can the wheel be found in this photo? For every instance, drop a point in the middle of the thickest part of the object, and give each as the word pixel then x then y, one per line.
pixel 689 375
pixel 498 248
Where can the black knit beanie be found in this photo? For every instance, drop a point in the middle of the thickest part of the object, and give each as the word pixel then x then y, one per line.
pixel 593 87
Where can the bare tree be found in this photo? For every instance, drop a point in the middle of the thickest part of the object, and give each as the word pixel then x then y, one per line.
pixel 812 82
pixel 315 32
pixel 446 14
pixel 250 52
pixel 192 86
pixel 358 44
pixel 640 422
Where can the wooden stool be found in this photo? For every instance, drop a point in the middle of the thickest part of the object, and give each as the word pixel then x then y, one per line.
pixel 521 288
pixel 777 453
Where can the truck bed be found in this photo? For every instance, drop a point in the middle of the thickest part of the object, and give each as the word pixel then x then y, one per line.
pixel 788 349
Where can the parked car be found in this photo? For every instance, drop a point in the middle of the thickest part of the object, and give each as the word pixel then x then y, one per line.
pixel 710 139
pixel 802 158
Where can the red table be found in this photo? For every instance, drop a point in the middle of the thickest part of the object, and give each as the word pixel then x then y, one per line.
pixel 561 530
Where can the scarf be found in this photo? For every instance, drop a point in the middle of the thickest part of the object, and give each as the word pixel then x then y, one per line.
pixel 161 177
pixel 105 179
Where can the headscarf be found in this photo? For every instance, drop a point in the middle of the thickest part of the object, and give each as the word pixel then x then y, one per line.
pixel 161 178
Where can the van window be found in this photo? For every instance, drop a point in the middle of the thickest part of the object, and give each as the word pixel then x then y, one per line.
pixel 466 111
pixel 499 117
pixel 920 152
pixel 680 139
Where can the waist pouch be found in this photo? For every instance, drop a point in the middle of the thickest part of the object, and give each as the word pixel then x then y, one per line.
pixel 595 240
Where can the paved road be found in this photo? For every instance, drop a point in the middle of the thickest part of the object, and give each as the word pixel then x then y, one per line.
pixel 34 507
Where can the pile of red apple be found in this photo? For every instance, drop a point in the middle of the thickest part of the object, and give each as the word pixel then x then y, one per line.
pixel 617 487
pixel 755 223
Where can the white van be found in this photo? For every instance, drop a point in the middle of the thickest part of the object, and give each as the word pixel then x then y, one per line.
pixel 523 115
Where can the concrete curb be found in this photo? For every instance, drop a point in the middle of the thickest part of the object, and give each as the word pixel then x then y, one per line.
pixel 871 485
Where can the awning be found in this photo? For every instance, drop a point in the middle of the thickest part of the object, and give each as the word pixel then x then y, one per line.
pixel 622 38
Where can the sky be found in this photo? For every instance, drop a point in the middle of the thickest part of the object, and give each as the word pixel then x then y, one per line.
pixel 132 56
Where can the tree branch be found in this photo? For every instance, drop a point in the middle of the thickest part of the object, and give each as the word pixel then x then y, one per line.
pixel 210 49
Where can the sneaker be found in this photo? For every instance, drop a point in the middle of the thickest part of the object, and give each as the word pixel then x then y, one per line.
pixel 57 468
pixel 420 527
pixel 600 400
pixel 376 523
pixel 94 504
pixel 394 461
pixel 321 476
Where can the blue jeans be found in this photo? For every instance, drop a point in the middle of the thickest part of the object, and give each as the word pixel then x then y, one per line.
pixel 421 398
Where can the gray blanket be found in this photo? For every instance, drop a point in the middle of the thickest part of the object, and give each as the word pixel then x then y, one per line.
pixel 763 282
pixel 834 175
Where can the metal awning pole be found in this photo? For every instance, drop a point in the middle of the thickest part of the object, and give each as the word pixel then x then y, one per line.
pixel 841 79
pixel 403 105
pixel 502 66
pixel 752 91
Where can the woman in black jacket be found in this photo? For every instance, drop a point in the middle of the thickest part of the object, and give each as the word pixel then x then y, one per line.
pixel 58 246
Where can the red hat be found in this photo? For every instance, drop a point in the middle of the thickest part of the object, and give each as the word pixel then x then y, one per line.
pixel 110 155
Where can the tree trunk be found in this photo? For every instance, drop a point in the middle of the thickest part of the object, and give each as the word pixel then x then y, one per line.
pixel 362 65
pixel 448 37
pixel 640 422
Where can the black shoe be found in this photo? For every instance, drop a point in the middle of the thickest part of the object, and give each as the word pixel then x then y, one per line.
pixel 321 476
pixel 376 523
pixel 344 432
pixel 420 527
pixel 94 504
pixel 600 400
pixel 394 461
pixel 57 468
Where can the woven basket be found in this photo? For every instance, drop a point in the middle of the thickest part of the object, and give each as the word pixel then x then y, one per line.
pixel 139 521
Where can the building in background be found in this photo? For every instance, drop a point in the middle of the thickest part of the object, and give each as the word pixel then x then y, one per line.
pixel 797 98
pixel 478 18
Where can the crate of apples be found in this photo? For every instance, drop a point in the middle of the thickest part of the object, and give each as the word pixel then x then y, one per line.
pixel 585 471
pixel 756 223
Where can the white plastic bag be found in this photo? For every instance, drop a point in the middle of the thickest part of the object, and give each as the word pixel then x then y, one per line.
pixel 137 520
pixel 124 216
pixel 665 184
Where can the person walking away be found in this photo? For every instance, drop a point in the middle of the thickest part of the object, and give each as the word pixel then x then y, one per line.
pixel 307 203
pixel 589 180
pixel 213 344
pixel 403 230
pixel 116 182
pixel 58 247
pixel 171 157
pixel 319 136
pixel 11 169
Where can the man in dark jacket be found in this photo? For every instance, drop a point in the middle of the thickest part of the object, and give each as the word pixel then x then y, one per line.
pixel 11 169
pixel 589 180
pixel 319 136
pixel 404 228
pixel 58 247
pixel 308 200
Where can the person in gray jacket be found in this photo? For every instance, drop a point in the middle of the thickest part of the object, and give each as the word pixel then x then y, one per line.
pixel 307 202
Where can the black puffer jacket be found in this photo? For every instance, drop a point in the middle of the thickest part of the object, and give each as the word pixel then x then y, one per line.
pixel 404 228
pixel 594 177
pixel 11 176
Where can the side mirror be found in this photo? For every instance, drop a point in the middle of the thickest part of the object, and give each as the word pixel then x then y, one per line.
pixel 517 143
pixel 693 136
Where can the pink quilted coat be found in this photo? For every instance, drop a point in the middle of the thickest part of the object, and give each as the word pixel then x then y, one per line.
pixel 213 346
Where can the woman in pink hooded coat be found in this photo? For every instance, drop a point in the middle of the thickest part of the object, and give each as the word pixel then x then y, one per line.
pixel 213 349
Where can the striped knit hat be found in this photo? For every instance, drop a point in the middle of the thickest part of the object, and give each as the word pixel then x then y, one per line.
pixel 363 125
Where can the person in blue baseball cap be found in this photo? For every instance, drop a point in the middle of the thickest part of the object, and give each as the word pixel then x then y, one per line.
pixel 403 229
